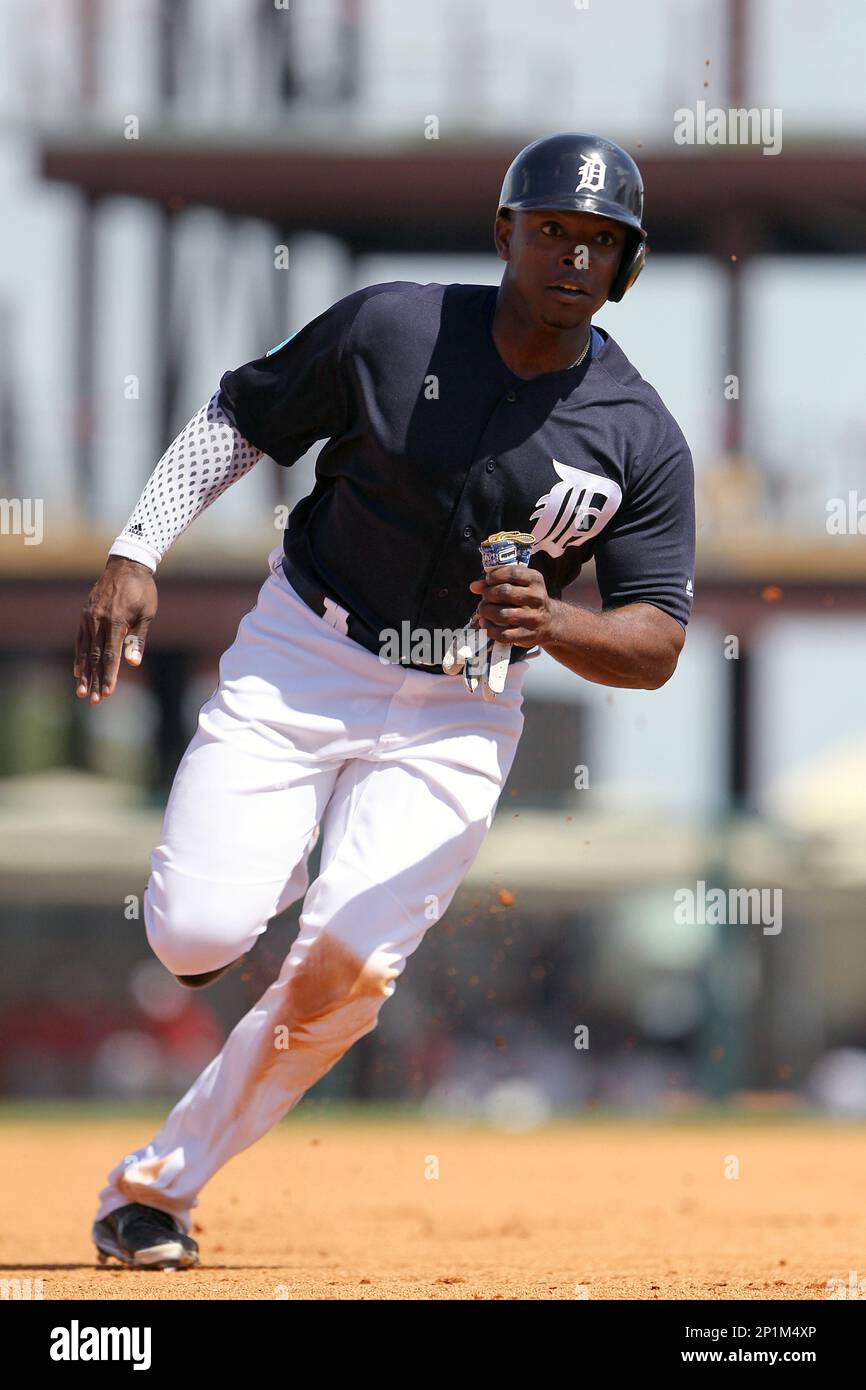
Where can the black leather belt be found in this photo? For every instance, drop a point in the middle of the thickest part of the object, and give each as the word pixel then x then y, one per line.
pixel 356 628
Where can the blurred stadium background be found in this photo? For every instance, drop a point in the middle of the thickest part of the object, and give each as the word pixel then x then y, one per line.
pixel 154 154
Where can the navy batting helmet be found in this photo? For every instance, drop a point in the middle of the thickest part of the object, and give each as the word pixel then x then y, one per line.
pixel 582 173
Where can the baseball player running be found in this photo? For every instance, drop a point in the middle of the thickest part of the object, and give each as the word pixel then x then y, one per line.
pixel 374 691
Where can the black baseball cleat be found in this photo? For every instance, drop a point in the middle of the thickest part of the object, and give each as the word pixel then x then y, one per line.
pixel 143 1238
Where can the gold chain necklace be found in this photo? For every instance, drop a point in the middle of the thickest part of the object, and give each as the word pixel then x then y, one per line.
pixel 583 354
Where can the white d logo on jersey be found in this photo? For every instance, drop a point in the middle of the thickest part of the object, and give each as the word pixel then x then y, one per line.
pixel 574 510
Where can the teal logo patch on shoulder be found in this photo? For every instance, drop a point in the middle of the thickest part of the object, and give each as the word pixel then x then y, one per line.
pixel 270 352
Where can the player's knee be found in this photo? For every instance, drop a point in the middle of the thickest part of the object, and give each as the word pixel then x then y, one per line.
pixel 195 928
pixel 331 977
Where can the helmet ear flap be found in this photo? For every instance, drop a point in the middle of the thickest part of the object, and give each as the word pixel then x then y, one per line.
pixel 630 267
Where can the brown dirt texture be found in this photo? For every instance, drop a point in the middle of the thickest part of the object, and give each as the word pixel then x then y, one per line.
pixel 416 1209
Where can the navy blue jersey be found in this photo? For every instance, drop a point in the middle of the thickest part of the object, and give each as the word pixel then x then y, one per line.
pixel 434 443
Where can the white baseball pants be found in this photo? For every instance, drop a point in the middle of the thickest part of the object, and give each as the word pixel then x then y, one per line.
pixel 400 769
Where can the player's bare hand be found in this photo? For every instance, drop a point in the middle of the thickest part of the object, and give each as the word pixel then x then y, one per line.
pixel 515 606
pixel 119 610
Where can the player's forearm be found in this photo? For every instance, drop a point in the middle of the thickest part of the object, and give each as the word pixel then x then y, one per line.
pixel 635 647
pixel 200 463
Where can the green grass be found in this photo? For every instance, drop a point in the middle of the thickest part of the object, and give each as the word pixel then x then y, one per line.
pixel 151 1114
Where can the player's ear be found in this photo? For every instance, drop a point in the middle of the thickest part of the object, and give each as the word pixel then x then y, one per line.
pixel 502 230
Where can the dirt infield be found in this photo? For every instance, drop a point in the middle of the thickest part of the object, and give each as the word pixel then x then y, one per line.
pixel 332 1209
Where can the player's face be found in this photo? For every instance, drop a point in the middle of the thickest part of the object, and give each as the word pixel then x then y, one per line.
pixel 561 264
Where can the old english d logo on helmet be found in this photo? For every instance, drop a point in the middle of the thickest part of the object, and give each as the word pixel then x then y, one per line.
pixel 582 173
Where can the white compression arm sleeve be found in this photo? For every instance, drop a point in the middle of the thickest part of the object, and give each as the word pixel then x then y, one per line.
pixel 205 458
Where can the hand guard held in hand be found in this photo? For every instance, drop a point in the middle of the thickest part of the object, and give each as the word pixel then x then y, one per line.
pixel 479 659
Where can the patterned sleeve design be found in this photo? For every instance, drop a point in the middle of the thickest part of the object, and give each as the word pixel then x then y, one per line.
pixel 206 457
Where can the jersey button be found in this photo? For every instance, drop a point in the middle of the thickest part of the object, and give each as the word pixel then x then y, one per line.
pixel 511 396
pixel 442 593
pixel 467 532
pixel 491 464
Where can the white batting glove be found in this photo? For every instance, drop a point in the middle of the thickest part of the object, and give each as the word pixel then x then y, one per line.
pixel 462 649
pixel 475 669
pixel 480 661
pixel 467 656
pixel 496 673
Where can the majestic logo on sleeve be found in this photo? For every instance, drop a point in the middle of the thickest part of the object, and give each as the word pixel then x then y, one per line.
pixel 574 510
